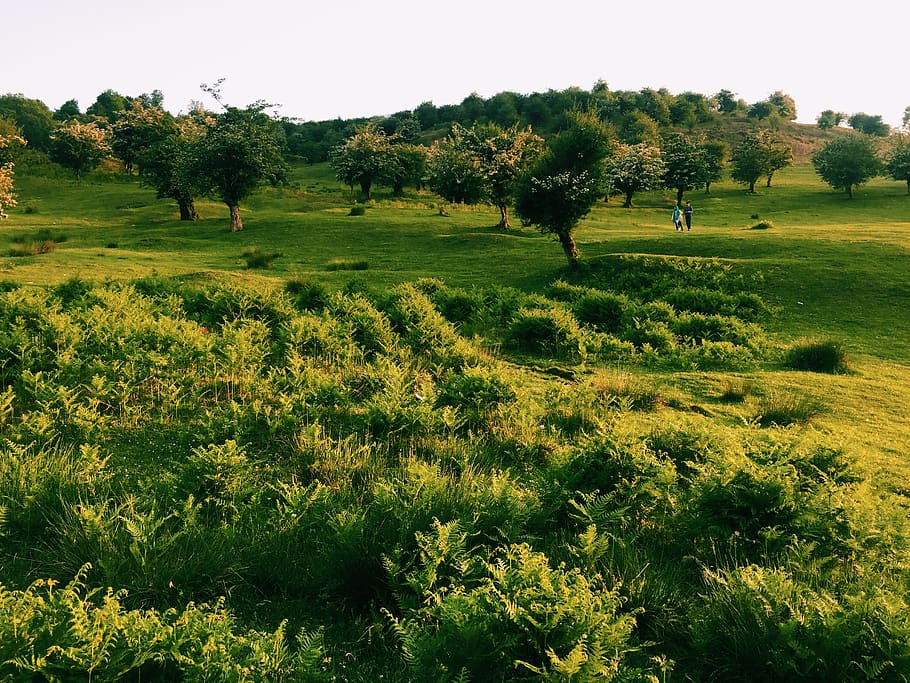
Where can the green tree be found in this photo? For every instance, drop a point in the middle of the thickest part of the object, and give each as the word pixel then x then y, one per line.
pixel 80 147
pixel 10 139
pixel 637 127
pixel 868 124
pixel 749 159
pixel 897 161
pixel 169 164
pixel 502 154
pixel 570 177
pixel 716 153
pixel 366 158
pixel 68 110
pixel 240 150
pixel 108 105
pixel 848 161
pixel 454 173
pixel 727 102
pixel 783 104
pixel 411 166
pixel 686 165
pixel 137 129
pixel 634 168
pixel 830 119
pixel 33 117
pixel 779 151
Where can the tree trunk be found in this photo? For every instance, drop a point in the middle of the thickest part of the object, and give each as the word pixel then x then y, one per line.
pixel 752 187
pixel 504 217
pixel 908 185
pixel 236 222
pixel 366 185
pixel 628 203
pixel 708 187
pixel 187 210
pixel 568 246
pixel 849 189
pixel 679 195
pixel 768 184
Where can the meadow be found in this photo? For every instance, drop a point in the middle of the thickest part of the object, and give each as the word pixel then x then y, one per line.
pixel 416 447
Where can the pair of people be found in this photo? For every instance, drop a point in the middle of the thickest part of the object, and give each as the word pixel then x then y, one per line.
pixel 686 213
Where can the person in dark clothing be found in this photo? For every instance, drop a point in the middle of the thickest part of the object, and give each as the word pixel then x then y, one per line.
pixel 687 212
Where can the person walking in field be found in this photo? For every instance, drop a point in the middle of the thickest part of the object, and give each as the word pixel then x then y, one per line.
pixel 687 212
pixel 677 218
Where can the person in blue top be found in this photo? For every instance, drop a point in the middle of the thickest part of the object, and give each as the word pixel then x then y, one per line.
pixel 677 218
pixel 687 212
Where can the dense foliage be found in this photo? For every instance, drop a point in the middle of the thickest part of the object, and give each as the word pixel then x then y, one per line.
pixel 361 477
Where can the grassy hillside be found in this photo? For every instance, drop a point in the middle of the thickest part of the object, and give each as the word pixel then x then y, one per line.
pixel 458 461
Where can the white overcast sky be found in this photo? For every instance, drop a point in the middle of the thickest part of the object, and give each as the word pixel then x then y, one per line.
pixel 351 58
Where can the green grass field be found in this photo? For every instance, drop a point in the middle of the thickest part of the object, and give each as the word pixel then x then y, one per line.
pixel 831 267
pixel 369 462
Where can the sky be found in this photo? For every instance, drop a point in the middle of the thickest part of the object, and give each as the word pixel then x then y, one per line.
pixel 357 58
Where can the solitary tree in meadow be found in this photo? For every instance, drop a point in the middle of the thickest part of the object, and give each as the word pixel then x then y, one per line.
pixel 749 160
pixel 241 150
pixel 848 161
pixel 686 167
pixel 634 168
pixel 897 161
pixel 561 189
pixel 779 151
pixel 366 158
pixel 80 147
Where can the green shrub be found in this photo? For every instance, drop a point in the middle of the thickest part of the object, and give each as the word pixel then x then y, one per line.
pixel 254 257
pixel 817 356
pixel 32 248
pixel 466 616
pixel 476 393
pixel 604 311
pixel 656 336
pixel 762 624
pixel 70 632
pixel 783 409
pixel 763 225
pixel 552 332
pixel 308 295
pixel 715 355
pixel 357 210
pixel 736 391
pixel 347 264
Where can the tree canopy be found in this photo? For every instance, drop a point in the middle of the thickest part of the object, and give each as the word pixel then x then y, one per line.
pixel 241 149
pixel 634 168
pixel 848 161
pixel 80 147
pixel 571 176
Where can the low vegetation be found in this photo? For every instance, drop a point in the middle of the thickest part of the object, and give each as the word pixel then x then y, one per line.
pixel 408 446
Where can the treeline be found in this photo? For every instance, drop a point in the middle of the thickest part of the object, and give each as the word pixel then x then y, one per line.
pixel 635 114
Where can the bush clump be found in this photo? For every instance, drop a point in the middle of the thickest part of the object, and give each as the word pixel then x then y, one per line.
pixel 817 356
pixel 553 332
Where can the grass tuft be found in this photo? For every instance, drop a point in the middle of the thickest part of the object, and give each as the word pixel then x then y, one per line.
pixel 817 356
